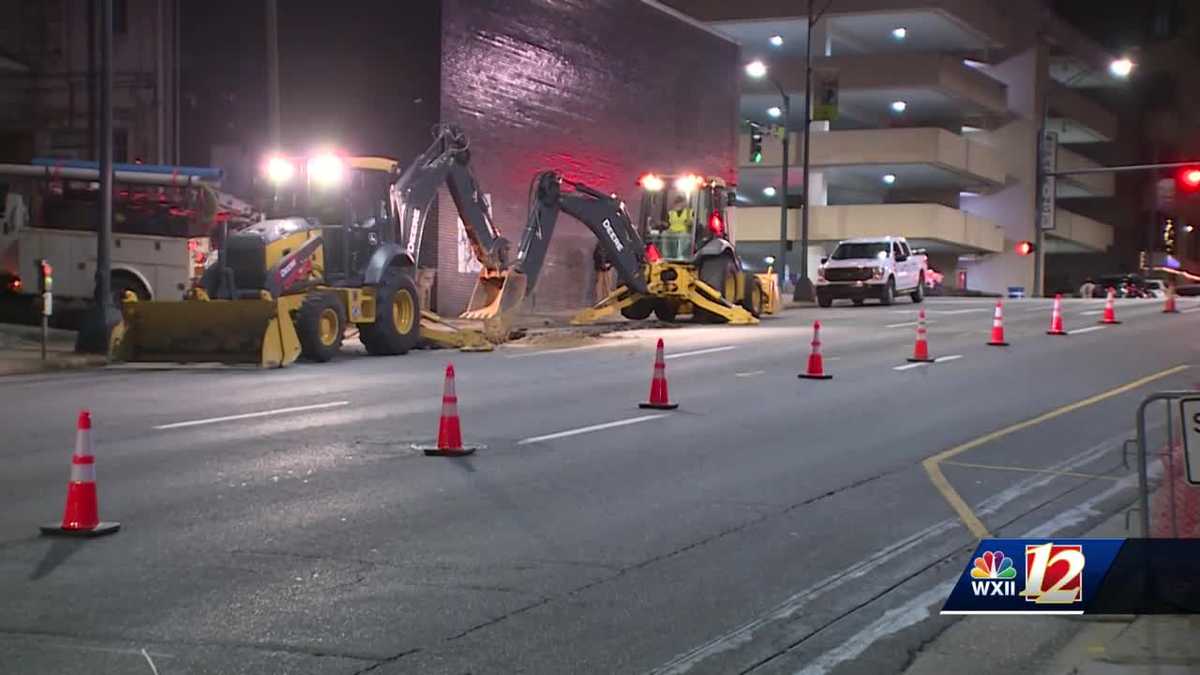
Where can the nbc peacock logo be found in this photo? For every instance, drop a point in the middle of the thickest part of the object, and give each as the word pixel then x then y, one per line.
pixel 993 574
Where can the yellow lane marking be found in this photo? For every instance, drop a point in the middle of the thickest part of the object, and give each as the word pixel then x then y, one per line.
pixel 965 514
pixel 1028 469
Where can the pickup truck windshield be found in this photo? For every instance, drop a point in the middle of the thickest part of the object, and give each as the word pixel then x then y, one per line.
pixel 853 251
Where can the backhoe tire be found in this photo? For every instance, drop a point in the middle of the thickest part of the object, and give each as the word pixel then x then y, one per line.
pixel 320 324
pixel 397 326
pixel 638 310
pixel 752 299
pixel 666 310
pixel 720 272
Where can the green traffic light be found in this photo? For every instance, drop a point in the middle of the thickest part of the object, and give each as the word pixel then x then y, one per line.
pixel 757 158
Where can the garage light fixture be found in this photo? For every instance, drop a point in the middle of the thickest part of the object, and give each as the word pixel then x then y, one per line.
pixel 769 191
pixel 1121 67
pixel 756 69
pixel 1188 228
pixel 774 111
pixel 899 106
pixel 776 40
pixel 899 33
pixel 889 178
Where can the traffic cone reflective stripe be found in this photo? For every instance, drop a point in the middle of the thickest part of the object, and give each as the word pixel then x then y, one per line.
pixel 1056 320
pixel 1110 312
pixel 449 438
pixel 921 348
pixel 998 326
pixel 81 513
pixel 816 365
pixel 660 399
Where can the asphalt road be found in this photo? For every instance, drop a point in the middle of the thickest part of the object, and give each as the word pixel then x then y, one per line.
pixel 770 525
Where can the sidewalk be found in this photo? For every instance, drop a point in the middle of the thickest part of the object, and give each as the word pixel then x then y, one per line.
pixel 1091 645
pixel 20 351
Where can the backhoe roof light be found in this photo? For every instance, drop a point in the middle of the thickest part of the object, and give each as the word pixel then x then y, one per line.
pixel 651 182
pixel 688 183
pixel 279 170
pixel 326 169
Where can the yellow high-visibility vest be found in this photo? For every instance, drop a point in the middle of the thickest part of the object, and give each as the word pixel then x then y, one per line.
pixel 679 221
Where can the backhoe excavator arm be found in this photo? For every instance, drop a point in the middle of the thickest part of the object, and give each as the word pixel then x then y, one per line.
pixel 446 161
pixel 603 214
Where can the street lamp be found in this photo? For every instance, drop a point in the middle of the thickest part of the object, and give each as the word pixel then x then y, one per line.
pixel 1120 68
pixel 758 70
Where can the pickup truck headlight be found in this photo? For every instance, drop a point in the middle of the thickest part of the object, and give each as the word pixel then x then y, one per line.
pixel 877 272
pixel 820 274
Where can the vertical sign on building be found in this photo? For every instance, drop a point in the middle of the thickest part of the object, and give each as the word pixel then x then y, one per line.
pixel 825 106
pixel 1047 165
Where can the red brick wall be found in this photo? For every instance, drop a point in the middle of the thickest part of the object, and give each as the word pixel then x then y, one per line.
pixel 601 90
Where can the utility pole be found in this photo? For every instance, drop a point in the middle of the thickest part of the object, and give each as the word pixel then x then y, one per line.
pixel 783 193
pixel 804 287
pixel 96 330
pixel 160 82
pixel 273 73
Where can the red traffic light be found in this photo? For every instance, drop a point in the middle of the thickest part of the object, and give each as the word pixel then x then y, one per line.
pixel 1025 247
pixel 1188 178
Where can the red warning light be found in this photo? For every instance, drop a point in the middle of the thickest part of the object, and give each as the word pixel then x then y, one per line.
pixel 1025 247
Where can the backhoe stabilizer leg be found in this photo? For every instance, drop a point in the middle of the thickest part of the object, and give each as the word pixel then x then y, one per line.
pixel 612 303
pixel 706 297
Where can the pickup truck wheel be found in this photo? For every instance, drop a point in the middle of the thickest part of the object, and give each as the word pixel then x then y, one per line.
pixel 889 292
pixel 918 293
pixel 824 300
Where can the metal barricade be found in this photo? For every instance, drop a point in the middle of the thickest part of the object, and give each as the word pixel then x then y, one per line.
pixel 1173 479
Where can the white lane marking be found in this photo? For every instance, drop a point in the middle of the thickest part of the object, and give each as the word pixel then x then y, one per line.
pixel 902 325
pixel 910 366
pixel 752 373
pixel 743 634
pixel 710 350
pixel 1092 312
pixel 894 620
pixel 542 352
pixel 1189 311
pixel 952 357
pixel 246 416
pixel 952 312
pixel 146 655
pixel 589 429
pixel 1089 329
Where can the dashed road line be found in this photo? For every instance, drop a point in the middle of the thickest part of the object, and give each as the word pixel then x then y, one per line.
pixel 752 373
pixel 910 366
pixel 698 352
pixel 1089 329
pixel 951 357
pixel 589 429
pixel 246 416
pixel 902 325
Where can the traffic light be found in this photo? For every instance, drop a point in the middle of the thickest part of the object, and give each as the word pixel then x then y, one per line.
pixel 1187 179
pixel 756 142
pixel 1025 247
pixel 45 276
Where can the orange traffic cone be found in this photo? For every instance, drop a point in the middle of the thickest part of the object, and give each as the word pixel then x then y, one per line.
pixel 81 516
pixel 998 326
pixel 1110 312
pixel 659 398
pixel 1056 322
pixel 816 365
pixel 1169 303
pixel 921 348
pixel 449 439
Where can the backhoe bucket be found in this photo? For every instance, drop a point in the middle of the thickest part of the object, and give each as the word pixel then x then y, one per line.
pixel 258 332
pixel 496 297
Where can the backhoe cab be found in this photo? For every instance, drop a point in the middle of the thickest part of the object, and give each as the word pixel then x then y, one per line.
pixel 691 266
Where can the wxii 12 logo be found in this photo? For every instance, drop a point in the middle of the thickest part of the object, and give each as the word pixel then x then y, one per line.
pixel 1053 574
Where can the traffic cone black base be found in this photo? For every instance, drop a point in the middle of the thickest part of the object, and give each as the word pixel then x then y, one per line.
pixel 101 529
pixel 806 376
pixel 913 359
pixel 659 406
pixel 1057 332
pixel 1108 323
pixel 997 344
pixel 435 451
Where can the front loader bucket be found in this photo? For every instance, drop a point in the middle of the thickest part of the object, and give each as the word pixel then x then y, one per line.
pixel 255 332
pixel 497 297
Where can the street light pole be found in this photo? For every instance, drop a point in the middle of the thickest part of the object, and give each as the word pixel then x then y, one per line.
pixel 804 289
pixel 96 330
pixel 783 190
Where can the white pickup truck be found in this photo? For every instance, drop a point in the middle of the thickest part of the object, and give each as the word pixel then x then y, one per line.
pixel 872 267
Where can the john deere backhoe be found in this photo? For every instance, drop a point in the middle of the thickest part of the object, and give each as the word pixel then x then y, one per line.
pixel 340 247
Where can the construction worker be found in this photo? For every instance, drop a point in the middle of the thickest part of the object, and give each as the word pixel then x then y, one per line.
pixel 679 228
